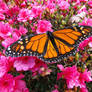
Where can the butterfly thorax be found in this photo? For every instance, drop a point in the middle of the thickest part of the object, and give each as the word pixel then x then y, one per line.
pixel 50 35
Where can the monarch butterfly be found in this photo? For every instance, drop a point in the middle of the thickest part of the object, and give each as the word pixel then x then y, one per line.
pixel 50 46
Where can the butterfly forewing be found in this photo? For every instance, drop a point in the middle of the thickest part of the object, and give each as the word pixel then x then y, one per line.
pixel 68 35
pixel 27 46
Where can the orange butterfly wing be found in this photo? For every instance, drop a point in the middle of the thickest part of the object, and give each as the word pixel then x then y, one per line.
pixel 27 46
pixel 65 41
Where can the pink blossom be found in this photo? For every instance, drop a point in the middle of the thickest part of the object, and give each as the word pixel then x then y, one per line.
pixel 64 5
pixel 24 15
pixel 7 42
pixel 73 77
pixel 18 2
pixel 37 10
pixel 83 90
pixel 74 1
pixel 90 44
pixel 76 5
pixel 10 21
pixel 56 86
pixel 2 17
pixel 23 4
pixel 90 11
pixel 83 9
pixel 4 65
pixel 24 63
pixel 5 30
pixel 21 31
pixel 90 39
pixel 85 43
pixel 90 3
pixel 70 74
pixel 13 12
pixel 83 0
pixel 55 90
pixel 86 22
pixel 51 6
pixel 37 68
pixel 60 67
pixel 20 85
pixel 3 7
pixel 8 83
pixel 43 26
pixel 84 77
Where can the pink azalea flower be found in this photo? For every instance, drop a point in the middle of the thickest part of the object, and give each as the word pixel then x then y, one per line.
pixel 90 11
pixel 2 17
pixel 55 90
pixel 21 31
pixel 23 4
pixel 84 77
pixel 76 5
pixel 83 90
pixel 34 27
pixel 90 39
pixel 86 22
pixel 3 7
pixel 83 0
pixel 5 30
pixel 51 6
pixel 43 26
pixel 7 42
pixel 70 74
pixel 10 21
pixel 90 44
pixel 90 3
pixel 24 15
pixel 13 12
pixel 83 44
pixel 64 5
pixel 8 83
pixel 37 68
pixel 24 63
pixel 83 9
pixel 20 85
pixel 37 10
pixel 5 65
pixel 19 1
pixel 60 67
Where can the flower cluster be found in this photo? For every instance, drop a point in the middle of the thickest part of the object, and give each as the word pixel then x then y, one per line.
pixel 74 78
pixel 17 17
